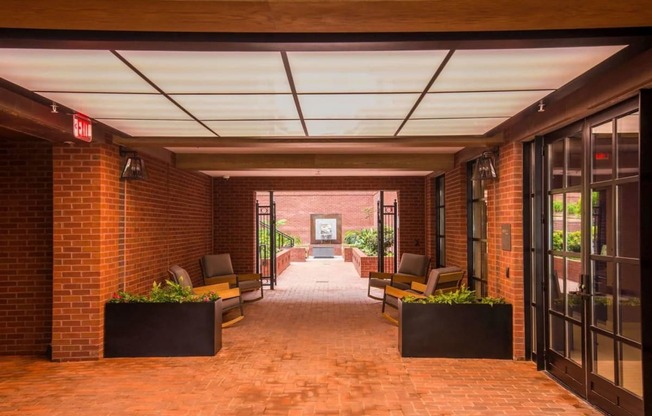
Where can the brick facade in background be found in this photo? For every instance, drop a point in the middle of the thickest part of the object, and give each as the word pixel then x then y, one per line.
pixel 235 209
pixel 25 246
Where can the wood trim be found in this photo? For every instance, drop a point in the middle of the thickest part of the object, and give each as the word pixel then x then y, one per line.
pixel 284 16
pixel 410 162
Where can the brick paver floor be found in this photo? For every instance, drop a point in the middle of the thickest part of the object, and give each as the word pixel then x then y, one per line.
pixel 314 346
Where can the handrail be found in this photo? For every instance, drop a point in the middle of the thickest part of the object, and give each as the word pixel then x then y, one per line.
pixel 283 240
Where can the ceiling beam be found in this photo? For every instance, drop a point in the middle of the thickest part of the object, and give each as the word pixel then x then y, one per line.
pixel 413 162
pixel 282 142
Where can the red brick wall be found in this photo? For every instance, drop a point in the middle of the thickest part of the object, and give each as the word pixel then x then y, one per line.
pixel 111 234
pixel 25 246
pixel 235 202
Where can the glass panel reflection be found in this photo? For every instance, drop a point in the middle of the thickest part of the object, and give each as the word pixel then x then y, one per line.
pixel 557 337
pixel 575 157
pixel 600 217
pixel 627 130
pixel 603 290
pixel 441 221
pixel 573 279
pixel 603 356
pixel 629 301
pixel 628 220
pixel 602 137
pixel 478 216
pixel 631 369
pixel 557 287
pixel 573 222
pixel 477 186
pixel 557 164
pixel 557 210
pixel 442 251
pixel 575 343
pixel 477 259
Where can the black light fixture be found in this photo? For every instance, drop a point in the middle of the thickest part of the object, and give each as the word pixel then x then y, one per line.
pixel 134 167
pixel 484 167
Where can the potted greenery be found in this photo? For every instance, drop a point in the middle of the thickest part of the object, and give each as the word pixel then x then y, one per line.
pixel 170 321
pixel 455 325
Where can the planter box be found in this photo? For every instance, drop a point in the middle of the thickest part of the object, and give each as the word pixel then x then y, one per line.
pixel 455 331
pixel 162 329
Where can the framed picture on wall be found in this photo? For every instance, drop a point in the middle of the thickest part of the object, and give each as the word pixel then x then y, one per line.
pixel 325 228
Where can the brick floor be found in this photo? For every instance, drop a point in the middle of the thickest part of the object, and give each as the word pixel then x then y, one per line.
pixel 314 346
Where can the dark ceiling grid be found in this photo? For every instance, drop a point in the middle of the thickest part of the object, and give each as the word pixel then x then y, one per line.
pixel 293 88
pixel 157 88
pixel 441 67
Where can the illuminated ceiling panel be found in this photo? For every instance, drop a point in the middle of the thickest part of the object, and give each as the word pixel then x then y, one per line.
pixel 131 106
pixel 159 128
pixel 359 106
pixel 436 127
pixel 512 69
pixel 212 72
pixel 476 104
pixel 257 128
pixel 69 70
pixel 352 127
pixel 239 107
pixel 366 71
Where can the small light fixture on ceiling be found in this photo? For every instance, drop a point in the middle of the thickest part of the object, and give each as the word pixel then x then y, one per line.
pixel 54 108
pixel 542 107
pixel 484 168
pixel 134 167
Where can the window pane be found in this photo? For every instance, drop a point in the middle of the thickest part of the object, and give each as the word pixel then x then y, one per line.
pixel 441 221
pixel 573 222
pixel 478 223
pixel 602 136
pixel 574 169
pixel 603 289
pixel 600 218
pixel 628 220
pixel 627 130
pixel 573 279
pixel 440 189
pixel 631 369
pixel 477 259
pixel 557 164
pixel 557 284
pixel 575 343
pixel 442 252
pixel 603 356
pixel 629 301
pixel 557 209
pixel 557 335
pixel 478 187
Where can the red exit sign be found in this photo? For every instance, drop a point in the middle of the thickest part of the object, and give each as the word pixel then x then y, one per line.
pixel 82 128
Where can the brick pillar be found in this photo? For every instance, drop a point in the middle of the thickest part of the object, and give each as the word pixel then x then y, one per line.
pixel 86 208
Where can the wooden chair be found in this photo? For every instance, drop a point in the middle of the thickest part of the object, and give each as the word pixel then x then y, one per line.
pixel 217 268
pixel 231 298
pixel 441 280
pixel 413 267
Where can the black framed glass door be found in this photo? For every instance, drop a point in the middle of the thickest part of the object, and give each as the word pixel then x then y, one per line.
pixel 477 233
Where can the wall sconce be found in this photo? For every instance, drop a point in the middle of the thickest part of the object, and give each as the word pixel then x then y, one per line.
pixel 134 167
pixel 484 167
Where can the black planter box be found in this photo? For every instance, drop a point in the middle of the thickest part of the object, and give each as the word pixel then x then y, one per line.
pixel 162 329
pixel 455 331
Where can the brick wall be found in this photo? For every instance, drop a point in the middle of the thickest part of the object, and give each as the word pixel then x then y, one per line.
pixel 111 234
pixel 25 246
pixel 235 202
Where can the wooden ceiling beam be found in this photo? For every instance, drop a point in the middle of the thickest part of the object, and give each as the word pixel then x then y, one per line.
pixel 306 142
pixel 413 162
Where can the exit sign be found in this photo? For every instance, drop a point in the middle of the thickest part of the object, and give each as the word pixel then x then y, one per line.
pixel 82 127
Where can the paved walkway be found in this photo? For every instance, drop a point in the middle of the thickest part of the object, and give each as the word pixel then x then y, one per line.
pixel 314 346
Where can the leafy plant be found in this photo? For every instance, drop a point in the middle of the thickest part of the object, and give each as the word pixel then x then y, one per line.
pixel 170 293
pixel 573 241
pixel 366 240
pixel 461 296
pixel 557 206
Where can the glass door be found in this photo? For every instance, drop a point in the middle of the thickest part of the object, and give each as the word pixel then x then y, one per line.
pixel 477 233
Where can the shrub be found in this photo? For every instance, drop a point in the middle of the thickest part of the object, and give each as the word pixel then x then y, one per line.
pixel 170 293
pixel 461 296
pixel 366 240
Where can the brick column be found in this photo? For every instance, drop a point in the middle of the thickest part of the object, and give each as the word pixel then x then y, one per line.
pixel 86 211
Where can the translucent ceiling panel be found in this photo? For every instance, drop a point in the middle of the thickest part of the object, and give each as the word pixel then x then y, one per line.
pixel 69 70
pixel 137 106
pixel 512 69
pixel 239 107
pixel 449 126
pixel 257 128
pixel 357 106
pixel 476 104
pixel 352 127
pixel 159 128
pixel 377 71
pixel 212 72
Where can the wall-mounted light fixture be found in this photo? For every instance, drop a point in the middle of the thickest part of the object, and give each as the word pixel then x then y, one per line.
pixel 134 167
pixel 485 167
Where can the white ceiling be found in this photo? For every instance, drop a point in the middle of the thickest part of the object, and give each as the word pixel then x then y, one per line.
pixel 275 94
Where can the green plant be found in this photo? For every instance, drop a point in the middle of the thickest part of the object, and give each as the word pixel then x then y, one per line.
pixel 573 241
pixel 170 293
pixel 461 296
pixel 557 206
pixel 557 241
pixel 366 240
pixel 490 300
